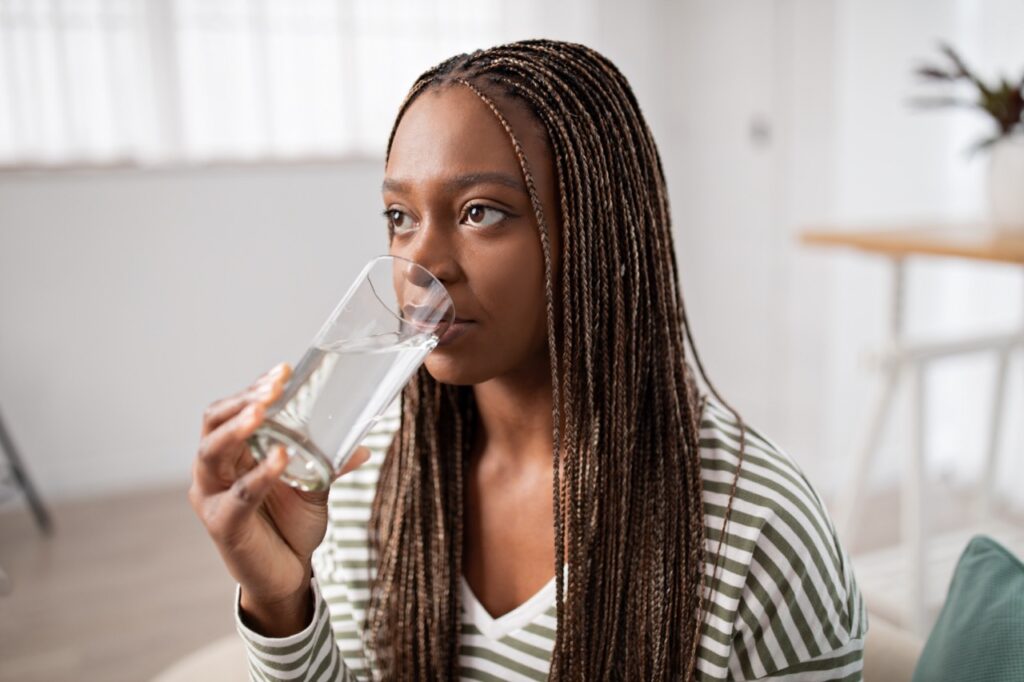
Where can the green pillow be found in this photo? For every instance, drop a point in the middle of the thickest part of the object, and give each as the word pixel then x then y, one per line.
pixel 979 635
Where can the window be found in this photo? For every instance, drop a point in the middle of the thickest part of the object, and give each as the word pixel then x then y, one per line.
pixel 158 81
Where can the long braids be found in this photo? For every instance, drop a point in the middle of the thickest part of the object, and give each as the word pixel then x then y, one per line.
pixel 627 491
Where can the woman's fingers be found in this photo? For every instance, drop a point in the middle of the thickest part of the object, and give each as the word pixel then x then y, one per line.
pixel 281 370
pixel 266 390
pixel 233 431
pixel 220 449
pixel 223 410
pixel 247 493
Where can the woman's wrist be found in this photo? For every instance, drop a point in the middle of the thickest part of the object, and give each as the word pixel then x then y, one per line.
pixel 279 617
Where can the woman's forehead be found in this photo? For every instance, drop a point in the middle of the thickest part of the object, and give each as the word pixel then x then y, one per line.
pixel 452 131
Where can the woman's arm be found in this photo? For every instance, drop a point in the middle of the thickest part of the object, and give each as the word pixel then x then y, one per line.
pixel 310 654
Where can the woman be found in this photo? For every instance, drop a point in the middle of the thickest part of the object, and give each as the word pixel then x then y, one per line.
pixel 557 496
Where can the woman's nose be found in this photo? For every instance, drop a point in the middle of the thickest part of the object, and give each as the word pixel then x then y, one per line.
pixel 433 250
pixel 417 275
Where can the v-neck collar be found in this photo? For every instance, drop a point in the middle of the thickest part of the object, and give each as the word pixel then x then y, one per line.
pixel 517 618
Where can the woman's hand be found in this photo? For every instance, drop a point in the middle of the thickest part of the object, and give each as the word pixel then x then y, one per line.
pixel 264 529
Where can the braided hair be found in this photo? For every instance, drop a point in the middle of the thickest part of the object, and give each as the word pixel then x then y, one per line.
pixel 628 513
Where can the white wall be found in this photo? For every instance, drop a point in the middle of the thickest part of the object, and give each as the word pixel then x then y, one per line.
pixel 130 300
pixel 755 297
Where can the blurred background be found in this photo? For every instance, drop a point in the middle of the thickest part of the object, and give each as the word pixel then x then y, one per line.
pixel 188 186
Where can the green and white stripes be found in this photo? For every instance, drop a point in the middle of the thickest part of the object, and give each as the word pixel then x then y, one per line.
pixel 784 606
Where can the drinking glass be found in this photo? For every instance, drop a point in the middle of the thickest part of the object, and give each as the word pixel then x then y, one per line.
pixel 393 314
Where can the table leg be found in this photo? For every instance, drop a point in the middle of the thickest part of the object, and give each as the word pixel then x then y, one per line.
pixel 851 492
pixel 987 501
pixel 852 489
pixel 912 504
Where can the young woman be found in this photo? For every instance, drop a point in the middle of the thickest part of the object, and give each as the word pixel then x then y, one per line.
pixel 555 495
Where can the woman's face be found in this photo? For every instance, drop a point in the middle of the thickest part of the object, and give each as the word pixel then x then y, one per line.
pixel 455 196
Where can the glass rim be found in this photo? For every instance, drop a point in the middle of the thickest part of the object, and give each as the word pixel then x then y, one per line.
pixel 366 276
pixel 438 284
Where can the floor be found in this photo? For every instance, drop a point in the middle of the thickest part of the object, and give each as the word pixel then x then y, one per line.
pixel 126 586
pixel 130 584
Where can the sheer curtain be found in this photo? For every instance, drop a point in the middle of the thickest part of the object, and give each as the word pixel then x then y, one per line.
pixel 155 81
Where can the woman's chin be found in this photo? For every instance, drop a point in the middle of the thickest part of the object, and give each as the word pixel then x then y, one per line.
pixel 453 368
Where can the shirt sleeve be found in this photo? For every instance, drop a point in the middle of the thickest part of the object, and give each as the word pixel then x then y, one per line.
pixel 311 654
pixel 801 615
pixel 844 664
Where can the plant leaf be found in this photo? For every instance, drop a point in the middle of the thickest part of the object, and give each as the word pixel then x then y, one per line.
pixel 961 66
pixel 936 73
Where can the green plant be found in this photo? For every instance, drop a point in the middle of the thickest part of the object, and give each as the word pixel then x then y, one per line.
pixel 1003 101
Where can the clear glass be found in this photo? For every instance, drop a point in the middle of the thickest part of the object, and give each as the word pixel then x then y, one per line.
pixel 392 316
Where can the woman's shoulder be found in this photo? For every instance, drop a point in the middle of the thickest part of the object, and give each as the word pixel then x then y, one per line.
pixel 791 580
pixel 775 503
pixel 719 423
pixel 769 476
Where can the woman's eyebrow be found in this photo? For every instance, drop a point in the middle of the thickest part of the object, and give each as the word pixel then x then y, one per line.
pixel 460 182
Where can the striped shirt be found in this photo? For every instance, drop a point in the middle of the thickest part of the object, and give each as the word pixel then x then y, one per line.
pixel 785 605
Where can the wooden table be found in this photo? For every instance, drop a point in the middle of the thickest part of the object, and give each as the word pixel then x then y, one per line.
pixel 900 358
pixel 967 241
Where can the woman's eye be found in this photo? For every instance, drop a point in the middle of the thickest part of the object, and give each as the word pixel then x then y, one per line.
pixel 479 215
pixel 396 219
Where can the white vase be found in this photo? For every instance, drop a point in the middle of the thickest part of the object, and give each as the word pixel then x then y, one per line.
pixel 1006 183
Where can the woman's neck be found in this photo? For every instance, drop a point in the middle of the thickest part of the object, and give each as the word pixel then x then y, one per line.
pixel 515 419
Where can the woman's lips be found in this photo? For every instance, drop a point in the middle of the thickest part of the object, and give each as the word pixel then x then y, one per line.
pixel 457 329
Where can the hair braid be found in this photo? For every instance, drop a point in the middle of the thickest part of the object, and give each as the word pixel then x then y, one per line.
pixel 627 487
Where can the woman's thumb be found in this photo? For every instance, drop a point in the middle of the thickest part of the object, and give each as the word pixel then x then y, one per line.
pixel 359 457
